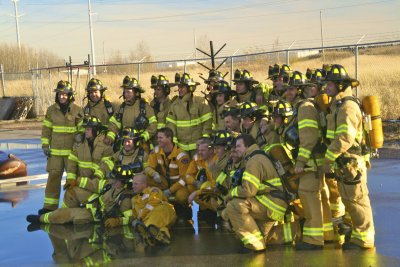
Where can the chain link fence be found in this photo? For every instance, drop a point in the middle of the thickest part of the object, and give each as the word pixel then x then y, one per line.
pixel 376 65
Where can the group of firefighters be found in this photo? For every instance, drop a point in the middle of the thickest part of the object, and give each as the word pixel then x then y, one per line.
pixel 276 165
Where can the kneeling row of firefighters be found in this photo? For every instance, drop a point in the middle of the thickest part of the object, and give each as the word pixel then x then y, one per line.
pixel 272 176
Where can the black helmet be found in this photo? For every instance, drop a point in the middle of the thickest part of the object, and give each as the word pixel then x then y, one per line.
pixel 339 76
pixel 130 133
pixel 95 84
pixel 249 109
pixel 298 79
pixel 94 123
pixel 278 70
pixel 214 76
pixel 161 81
pixel 222 87
pixel 185 79
pixel 65 87
pixel 123 173
pixel 91 121
pixel 244 76
pixel 280 108
pixel 222 138
pixel 132 83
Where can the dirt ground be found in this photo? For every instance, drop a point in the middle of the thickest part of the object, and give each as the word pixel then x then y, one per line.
pixel 390 149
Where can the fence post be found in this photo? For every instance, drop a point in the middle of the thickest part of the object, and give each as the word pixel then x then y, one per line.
pixel 287 57
pixel 3 86
pixel 138 74
pixel 231 70
pixel 184 66
pixel 356 66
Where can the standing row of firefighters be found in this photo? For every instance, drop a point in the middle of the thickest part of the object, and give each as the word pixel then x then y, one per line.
pixel 277 165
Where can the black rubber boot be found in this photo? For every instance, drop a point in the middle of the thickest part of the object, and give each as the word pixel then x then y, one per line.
pixel 33 218
pixel 161 237
pixel 43 211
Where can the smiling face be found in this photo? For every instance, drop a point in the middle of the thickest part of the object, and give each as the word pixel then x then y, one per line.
pixel 129 145
pixel 95 95
pixel 162 140
pixel 62 97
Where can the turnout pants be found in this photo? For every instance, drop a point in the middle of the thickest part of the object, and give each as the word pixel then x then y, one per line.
pixel 250 221
pixel 68 215
pixel 55 167
pixel 163 216
pixel 310 198
pixel 357 203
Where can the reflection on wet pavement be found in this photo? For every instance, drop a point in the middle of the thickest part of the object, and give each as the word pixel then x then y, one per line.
pixel 202 246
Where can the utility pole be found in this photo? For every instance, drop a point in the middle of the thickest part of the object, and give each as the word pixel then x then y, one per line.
pixel 104 59
pixel 93 60
pixel 322 36
pixel 194 43
pixel 16 23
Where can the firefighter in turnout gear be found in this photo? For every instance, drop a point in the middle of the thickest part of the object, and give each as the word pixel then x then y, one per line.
pixel 232 121
pixel 330 193
pixel 208 196
pixel 112 205
pixel 344 155
pixel 166 165
pixel 220 100
pixel 245 90
pixel 152 213
pixel 130 153
pixel 280 76
pixel 214 77
pixel 60 125
pixel 268 137
pixel 257 200
pixel 134 112
pixel 98 105
pixel 161 101
pixel 251 116
pixel 83 163
pixel 189 116
pixel 303 137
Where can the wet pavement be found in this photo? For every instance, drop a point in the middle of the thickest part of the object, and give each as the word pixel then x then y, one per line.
pixel 201 246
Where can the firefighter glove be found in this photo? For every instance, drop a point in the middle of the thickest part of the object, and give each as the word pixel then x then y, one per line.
pixel 69 183
pixel 156 177
pixel 46 151
pixel 167 193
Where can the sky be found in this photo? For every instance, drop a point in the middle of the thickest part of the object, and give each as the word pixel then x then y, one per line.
pixel 170 27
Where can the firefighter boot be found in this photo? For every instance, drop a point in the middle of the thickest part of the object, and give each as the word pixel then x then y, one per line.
pixel 158 235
